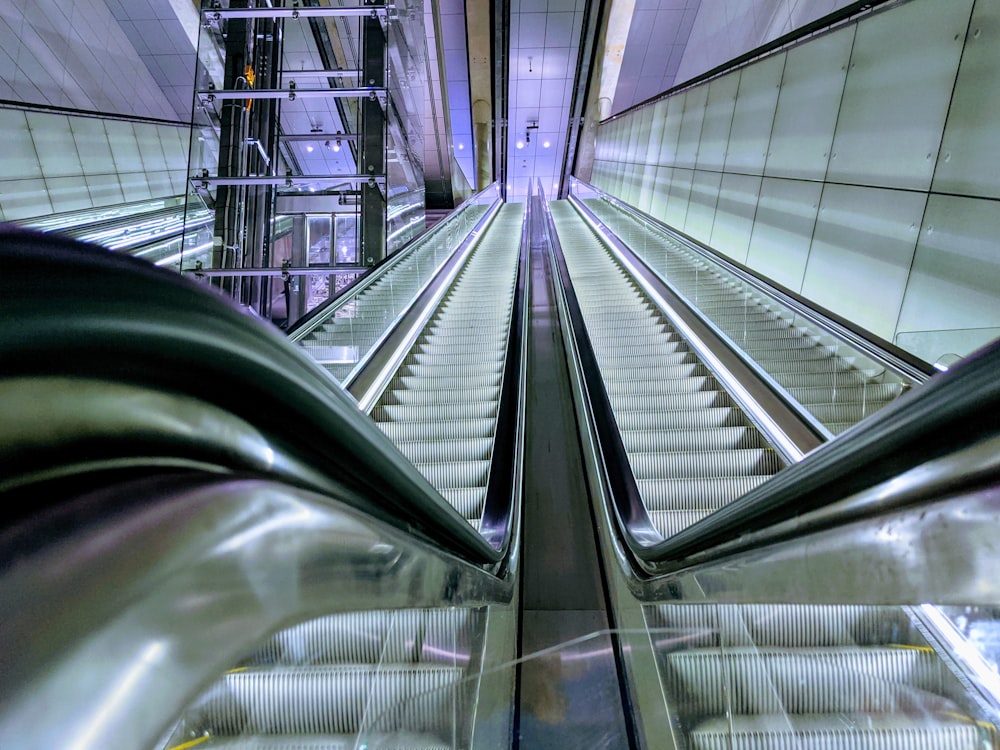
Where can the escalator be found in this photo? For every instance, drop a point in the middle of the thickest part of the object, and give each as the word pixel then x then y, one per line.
pixel 163 231
pixel 337 680
pixel 342 334
pixel 691 448
pixel 733 671
pixel 835 381
pixel 441 407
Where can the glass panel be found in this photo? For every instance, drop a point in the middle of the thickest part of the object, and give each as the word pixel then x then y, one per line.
pixel 833 381
pixel 346 332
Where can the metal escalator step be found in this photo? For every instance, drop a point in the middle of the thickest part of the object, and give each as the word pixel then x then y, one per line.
pixel 868 393
pixel 672 401
pixel 671 522
pixel 453 380
pixel 665 359
pixel 327 699
pixel 454 357
pixel 751 680
pixel 719 463
pixel 442 397
pixel 444 429
pixel 433 412
pixel 468 501
pixel 435 348
pixel 438 451
pixel 722 438
pixel 471 368
pixel 788 625
pixel 455 474
pixel 858 731
pixel 818 359
pixel 664 494
pixel 624 374
pixel 835 378
pixel 846 411
pixel 640 419
pixel 611 336
pixel 660 386
pixel 392 636
pixel 380 740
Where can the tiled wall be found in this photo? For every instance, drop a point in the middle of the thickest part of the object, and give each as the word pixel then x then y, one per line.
pixel 72 53
pixel 859 169
pixel 54 163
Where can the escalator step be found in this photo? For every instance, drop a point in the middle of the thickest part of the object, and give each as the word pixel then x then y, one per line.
pixel 788 625
pixel 637 419
pixel 426 396
pixel 662 385
pixel 439 451
pixel 455 474
pixel 858 731
pixel 468 501
pixel 443 429
pixel 696 492
pixel 475 410
pixel 327 699
pixel 699 464
pixel 395 636
pixel 751 680
pixel 722 438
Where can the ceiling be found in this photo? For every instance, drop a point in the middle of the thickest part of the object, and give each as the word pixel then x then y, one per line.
pixel 544 45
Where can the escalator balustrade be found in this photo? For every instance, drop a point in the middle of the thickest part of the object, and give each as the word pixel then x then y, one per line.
pixel 341 339
pixel 440 409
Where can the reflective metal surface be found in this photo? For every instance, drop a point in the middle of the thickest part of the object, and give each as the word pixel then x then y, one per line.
pixel 147 602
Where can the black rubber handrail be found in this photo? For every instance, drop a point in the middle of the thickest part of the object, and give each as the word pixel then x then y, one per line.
pixel 72 310
pixel 625 496
pixel 497 521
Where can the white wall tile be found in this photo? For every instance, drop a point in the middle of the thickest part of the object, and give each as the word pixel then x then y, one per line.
pixel 861 253
pixel 969 161
pixel 899 84
pixel 753 117
pixel 955 282
pixel 808 104
pixel 783 229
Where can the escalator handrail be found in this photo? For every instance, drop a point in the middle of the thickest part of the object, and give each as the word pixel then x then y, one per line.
pixel 879 350
pixel 506 462
pixel 71 310
pixel 315 317
pixel 946 414
pixel 136 596
pixel 629 509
